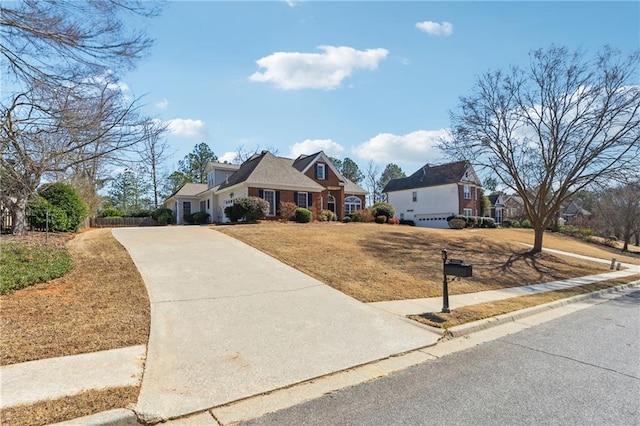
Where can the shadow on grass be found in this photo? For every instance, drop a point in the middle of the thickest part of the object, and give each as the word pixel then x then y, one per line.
pixel 495 263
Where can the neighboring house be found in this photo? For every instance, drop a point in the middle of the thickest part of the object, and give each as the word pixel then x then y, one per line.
pixel 497 207
pixel 435 192
pixel 574 214
pixel 513 208
pixel 309 181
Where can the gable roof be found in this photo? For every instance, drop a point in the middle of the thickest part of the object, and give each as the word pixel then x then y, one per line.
pixel 267 170
pixel 351 188
pixel 191 189
pixel 574 209
pixel 496 199
pixel 430 175
pixel 303 162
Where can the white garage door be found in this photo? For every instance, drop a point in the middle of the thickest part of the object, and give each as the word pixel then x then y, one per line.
pixel 432 220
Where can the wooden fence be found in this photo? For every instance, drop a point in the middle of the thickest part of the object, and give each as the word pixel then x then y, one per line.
pixel 121 222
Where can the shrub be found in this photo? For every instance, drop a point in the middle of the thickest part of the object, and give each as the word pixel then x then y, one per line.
pixel 110 212
pixel 506 223
pixel 200 218
pixel 515 224
pixel 526 223
pixel 234 212
pixel 488 222
pixel 382 208
pixel 394 221
pixel 163 216
pixel 346 219
pixel 303 215
pixel 188 219
pixel 249 208
pixel 140 213
pixel 456 223
pixel 407 222
pixel 362 215
pixel 65 197
pixel 287 210
pixel 327 215
pixel 381 219
pixel 57 221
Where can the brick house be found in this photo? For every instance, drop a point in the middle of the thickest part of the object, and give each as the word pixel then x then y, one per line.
pixel 309 181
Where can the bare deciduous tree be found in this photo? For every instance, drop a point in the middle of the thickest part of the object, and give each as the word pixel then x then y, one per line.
pixel 553 129
pixel 61 107
pixel 620 209
pixel 154 152
pixel 371 176
pixel 44 133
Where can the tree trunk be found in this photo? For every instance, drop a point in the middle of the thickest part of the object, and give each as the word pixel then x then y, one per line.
pixel 18 215
pixel 537 243
pixel 627 238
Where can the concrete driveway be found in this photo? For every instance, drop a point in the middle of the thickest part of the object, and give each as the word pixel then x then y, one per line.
pixel 229 322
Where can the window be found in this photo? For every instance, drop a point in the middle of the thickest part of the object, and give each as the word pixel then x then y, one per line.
pixel 320 171
pixel 208 204
pixel 270 196
pixel 203 206
pixel 414 196
pixel 302 200
pixel 467 212
pixel 467 192
pixel 351 205
pixel 186 208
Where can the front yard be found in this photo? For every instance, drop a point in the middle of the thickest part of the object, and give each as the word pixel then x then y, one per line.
pixel 373 262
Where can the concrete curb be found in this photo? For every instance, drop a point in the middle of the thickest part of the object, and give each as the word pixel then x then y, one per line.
pixel 116 417
pixel 464 329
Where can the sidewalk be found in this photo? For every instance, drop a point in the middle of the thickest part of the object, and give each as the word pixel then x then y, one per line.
pixel 226 332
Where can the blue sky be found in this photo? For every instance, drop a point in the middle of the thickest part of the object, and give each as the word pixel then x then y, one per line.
pixel 365 80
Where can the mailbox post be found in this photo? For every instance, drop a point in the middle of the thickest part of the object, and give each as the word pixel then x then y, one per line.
pixel 445 284
pixel 455 267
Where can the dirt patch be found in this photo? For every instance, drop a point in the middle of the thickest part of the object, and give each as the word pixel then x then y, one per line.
pixel 373 262
pixel 70 407
pixel 101 304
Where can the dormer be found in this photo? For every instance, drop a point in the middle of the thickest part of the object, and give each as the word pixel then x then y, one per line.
pixel 218 173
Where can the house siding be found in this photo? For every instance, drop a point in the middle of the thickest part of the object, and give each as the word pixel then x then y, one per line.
pixel 431 201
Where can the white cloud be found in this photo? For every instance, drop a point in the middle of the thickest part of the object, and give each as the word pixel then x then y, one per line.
pixel 292 3
pixel 186 127
pixel 444 29
pixel 162 104
pixel 228 157
pixel 311 146
pixel 415 147
pixel 326 70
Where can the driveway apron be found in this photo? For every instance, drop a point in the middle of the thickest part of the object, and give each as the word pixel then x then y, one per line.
pixel 229 322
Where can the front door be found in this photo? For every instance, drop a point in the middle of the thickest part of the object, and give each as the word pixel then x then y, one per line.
pixel 331 204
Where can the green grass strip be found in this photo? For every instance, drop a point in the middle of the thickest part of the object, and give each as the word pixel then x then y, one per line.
pixel 22 266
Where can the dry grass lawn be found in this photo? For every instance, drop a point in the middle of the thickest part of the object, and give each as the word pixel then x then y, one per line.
pixel 71 407
pixel 373 262
pixel 101 304
pixel 480 311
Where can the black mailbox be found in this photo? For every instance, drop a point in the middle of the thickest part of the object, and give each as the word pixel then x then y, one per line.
pixel 457 268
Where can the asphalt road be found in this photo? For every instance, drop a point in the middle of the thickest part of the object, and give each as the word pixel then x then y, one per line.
pixel 581 369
